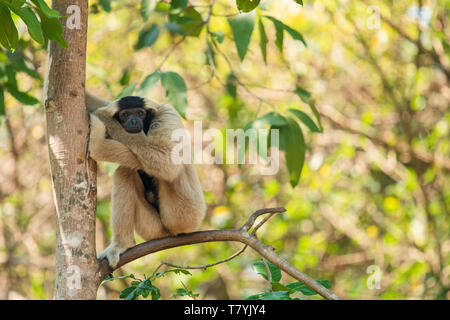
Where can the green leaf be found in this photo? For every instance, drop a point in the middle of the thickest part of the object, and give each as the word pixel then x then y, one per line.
pixel 148 84
pixel 280 28
pixel 294 34
pixel 8 32
pixel 276 286
pixel 106 5
pixel 275 295
pixel 300 287
pixel 190 21
pixel 18 65
pixel 231 85
pixel 162 7
pixel 180 292
pixel 242 28
pixel 129 293
pixel 52 28
pixel 174 27
pixel 33 24
pixel 46 10
pixel 111 278
pixel 179 4
pixel 295 149
pixel 2 101
pixel 260 268
pixel 299 2
pixel 156 293
pixel 247 5
pixel 316 115
pixel 15 3
pixel 262 40
pixel 272 118
pixel 304 96
pixel 147 7
pixel 303 117
pixel 176 271
pixel 127 91
pixel 176 91
pixel 219 36
pixel 148 37
pixel 23 97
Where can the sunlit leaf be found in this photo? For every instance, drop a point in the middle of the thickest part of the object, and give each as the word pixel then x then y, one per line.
pixel 279 32
pixel 295 149
pixel 52 28
pixel 148 84
pixel 147 7
pixel 8 32
pixel 2 101
pixel 247 5
pixel 30 19
pixel 261 269
pixel 148 37
pixel 280 27
pixel 298 286
pixel 242 28
pixel 179 4
pixel 46 10
pixel 303 94
pixel 303 117
pixel 22 97
pixel 106 5
pixel 262 40
pixel 127 91
pixel 294 34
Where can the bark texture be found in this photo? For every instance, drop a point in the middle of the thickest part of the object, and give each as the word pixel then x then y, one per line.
pixel 73 174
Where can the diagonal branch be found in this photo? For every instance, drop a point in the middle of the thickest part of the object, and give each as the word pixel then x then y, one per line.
pixel 238 235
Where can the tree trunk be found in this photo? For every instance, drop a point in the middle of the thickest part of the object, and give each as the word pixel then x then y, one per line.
pixel 73 173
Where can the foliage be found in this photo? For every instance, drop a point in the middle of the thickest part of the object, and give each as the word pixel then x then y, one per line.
pixel 48 25
pixel 145 287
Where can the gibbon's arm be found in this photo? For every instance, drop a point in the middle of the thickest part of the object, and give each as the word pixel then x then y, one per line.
pixel 93 102
pixel 153 152
pixel 102 149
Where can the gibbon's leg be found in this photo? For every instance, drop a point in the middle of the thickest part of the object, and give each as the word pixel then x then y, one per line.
pixel 102 149
pixel 148 222
pixel 153 152
pixel 123 209
pixel 184 212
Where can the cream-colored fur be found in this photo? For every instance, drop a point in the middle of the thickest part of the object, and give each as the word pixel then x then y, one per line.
pixel 181 202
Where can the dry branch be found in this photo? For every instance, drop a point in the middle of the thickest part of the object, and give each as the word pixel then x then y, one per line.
pixel 238 235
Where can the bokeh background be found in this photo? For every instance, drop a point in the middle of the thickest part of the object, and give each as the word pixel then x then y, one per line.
pixel 374 195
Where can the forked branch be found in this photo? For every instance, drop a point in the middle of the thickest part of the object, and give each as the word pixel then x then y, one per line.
pixel 238 235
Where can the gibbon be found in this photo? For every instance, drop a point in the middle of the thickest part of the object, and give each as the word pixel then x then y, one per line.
pixel 151 195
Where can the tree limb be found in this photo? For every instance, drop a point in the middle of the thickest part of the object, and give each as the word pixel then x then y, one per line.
pixel 238 235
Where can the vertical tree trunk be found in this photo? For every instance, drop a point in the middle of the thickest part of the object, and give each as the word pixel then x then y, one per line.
pixel 73 174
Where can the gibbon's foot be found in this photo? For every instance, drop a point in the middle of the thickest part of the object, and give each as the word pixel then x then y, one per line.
pixel 112 253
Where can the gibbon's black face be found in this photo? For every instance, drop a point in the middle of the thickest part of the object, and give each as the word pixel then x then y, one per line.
pixel 132 115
